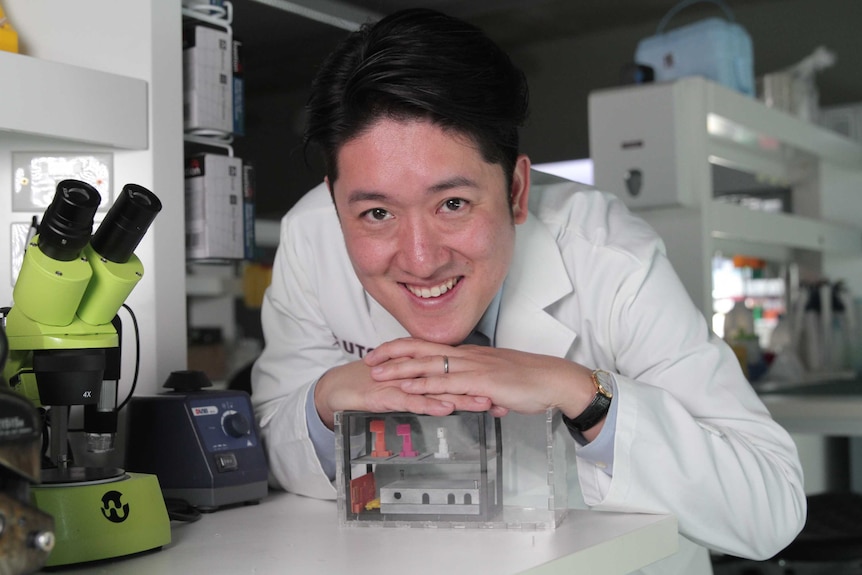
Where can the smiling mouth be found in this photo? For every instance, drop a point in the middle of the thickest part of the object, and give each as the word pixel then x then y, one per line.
pixel 433 291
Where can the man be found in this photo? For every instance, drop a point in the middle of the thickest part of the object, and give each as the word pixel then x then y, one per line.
pixel 425 235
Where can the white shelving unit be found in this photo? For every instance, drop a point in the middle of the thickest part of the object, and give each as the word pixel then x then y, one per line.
pixel 211 285
pixel 64 96
pixel 667 137
pixel 91 109
pixel 114 90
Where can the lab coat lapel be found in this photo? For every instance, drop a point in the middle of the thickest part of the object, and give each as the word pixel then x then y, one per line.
pixel 536 279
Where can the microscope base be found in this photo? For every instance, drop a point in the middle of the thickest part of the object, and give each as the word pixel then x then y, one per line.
pixel 104 520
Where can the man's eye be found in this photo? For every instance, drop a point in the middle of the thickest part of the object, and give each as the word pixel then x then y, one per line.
pixel 378 214
pixel 454 204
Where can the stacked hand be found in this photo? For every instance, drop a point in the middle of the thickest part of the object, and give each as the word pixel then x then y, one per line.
pixel 435 379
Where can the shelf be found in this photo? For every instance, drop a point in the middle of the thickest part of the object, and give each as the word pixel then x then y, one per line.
pixel 745 121
pixel 658 146
pixel 425 458
pixel 730 221
pixel 59 101
pixel 212 286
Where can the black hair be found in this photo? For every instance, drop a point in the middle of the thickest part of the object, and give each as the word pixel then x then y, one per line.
pixel 419 63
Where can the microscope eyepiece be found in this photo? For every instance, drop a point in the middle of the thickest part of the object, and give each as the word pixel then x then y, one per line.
pixel 68 222
pixel 126 223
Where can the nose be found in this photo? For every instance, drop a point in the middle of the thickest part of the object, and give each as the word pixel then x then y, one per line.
pixel 421 247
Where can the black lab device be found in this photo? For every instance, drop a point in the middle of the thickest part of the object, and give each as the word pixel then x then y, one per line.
pixel 202 444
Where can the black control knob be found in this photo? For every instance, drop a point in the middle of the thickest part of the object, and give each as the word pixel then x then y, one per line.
pixel 235 424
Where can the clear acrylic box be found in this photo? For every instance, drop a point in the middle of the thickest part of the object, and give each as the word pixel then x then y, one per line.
pixel 465 470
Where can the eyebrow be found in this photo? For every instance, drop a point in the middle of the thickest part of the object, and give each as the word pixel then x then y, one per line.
pixel 455 182
pixel 357 196
pixel 364 196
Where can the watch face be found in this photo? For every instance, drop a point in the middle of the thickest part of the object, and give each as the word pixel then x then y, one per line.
pixel 604 381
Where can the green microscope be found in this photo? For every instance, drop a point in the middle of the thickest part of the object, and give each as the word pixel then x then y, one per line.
pixel 64 351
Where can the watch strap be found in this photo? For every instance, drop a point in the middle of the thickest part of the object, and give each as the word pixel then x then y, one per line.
pixel 595 411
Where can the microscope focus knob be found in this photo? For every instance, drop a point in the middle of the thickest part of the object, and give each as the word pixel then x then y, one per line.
pixel 235 424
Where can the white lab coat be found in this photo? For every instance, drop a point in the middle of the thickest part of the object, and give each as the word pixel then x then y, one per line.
pixel 589 281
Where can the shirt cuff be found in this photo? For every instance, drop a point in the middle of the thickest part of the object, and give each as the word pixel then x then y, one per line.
pixel 321 436
pixel 600 451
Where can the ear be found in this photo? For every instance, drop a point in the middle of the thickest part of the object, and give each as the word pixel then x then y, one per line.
pixel 520 192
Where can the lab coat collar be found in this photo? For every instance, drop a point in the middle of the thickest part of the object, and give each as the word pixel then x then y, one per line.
pixel 537 279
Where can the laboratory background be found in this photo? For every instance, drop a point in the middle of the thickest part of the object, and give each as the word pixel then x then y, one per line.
pixel 733 127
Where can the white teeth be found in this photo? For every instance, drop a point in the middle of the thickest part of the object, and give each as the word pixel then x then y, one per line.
pixel 435 291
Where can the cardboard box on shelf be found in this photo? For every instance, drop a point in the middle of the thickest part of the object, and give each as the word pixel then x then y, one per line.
pixel 207 80
pixel 214 207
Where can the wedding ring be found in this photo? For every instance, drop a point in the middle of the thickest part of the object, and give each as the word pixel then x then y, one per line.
pixel 445 364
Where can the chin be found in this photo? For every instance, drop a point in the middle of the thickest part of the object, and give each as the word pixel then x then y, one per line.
pixel 446 337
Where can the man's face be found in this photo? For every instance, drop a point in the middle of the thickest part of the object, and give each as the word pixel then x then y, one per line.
pixel 429 225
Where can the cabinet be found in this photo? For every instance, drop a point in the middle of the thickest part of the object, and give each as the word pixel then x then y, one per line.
pixel 661 146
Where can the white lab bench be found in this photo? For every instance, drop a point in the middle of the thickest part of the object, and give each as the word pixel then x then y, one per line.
pixel 827 408
pixel 287 533
pixel 819 414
